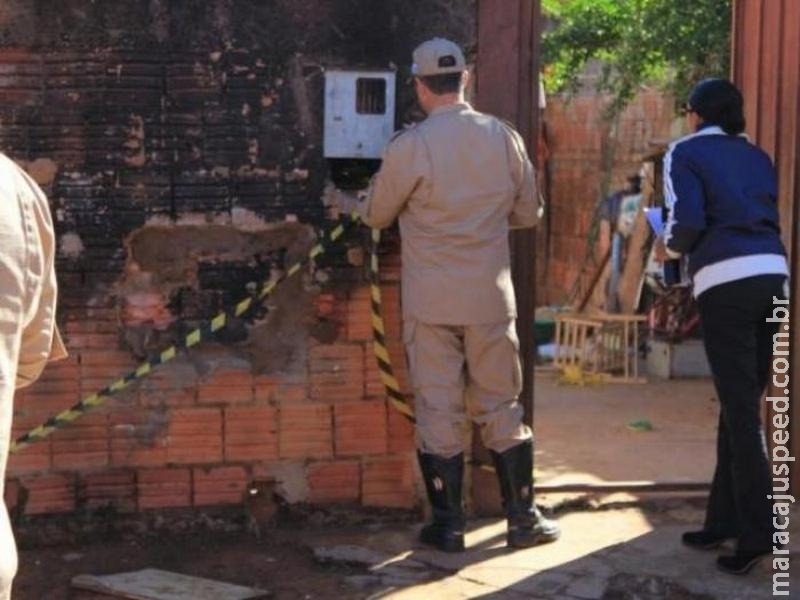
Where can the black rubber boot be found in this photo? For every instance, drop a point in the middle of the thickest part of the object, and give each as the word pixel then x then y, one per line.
pixel 526 525
pixel 443 477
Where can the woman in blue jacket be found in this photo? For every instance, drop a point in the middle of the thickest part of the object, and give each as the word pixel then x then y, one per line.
pixel 720 191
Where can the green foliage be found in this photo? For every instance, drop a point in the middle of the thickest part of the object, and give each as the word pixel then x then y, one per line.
pixel 671 43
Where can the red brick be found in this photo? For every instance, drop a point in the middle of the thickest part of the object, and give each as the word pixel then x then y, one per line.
pixel 82 444
pixel 40 406
pixel 360 428
pixel 264 388
pixel 167 398
pixel 305 431
pixel 228 377
pixel 251 433
pixel 325 305
pixel 11 493
pixel 225 395
pixel 226 386
pixel 91 341
pixel 220 485
pixel 401 432
pixel 161 488
pixel 71 386
pixel 61 370
pixel 388 482
pixel 139 438
pixel 195 436
pixel 337 372
pixel 177 375
pixel 50 494
pixel 108 488
pixel 290 393
pixel 72 327
pixel 338 481
pixel 105 372
pixel 359 324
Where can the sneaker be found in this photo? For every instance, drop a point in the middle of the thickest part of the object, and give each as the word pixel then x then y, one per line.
pixel 704 539
pixel 739 564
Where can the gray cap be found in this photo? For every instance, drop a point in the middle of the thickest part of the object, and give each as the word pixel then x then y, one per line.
pixel 437 57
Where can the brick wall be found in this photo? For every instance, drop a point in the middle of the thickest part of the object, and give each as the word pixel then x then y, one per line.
pixel 580 146
pixel 179 145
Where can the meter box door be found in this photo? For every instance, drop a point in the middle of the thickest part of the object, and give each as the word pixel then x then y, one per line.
pixel 359 113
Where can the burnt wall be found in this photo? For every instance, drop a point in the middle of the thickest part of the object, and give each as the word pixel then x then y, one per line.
pixel 179 143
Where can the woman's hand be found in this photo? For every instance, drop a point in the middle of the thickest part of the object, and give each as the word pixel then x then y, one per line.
pixel 660 250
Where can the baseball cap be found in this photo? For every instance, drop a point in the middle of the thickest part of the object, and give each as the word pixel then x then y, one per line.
pixel 713 97
pixel 437 57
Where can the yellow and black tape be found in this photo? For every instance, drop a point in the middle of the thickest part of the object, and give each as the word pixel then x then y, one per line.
pixel 192 338
pixel 396 397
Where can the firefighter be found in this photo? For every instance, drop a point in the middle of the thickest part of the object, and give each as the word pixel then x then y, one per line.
pixel 457 182
pixel 28 334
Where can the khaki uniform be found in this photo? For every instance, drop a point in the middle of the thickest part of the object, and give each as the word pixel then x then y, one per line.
pixel 457 182
pixel 28 335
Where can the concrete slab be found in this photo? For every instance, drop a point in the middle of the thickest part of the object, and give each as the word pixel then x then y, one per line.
pixel 602 555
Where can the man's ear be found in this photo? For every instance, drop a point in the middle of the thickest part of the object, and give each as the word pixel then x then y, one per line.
pixel 421 87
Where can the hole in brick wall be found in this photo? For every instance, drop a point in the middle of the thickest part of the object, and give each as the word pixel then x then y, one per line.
pixel 179 277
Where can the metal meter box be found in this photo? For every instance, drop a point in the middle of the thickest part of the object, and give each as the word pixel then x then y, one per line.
pixel 359 113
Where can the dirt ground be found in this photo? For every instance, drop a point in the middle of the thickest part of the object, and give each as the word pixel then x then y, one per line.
pixel 588 434
pixel 210 546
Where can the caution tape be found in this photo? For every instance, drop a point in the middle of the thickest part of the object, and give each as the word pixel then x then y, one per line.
pixel 393 393
pixel 192 338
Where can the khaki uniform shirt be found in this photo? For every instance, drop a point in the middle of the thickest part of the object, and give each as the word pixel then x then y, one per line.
pixel 28 334
pixel 29 276
pixel 457 182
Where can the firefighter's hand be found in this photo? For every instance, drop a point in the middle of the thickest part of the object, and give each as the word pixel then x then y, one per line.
pixel 338 202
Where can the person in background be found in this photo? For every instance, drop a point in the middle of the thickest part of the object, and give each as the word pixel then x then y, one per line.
pixel 457 182
pixel 28 334
pixel 612 236
pixel 720 191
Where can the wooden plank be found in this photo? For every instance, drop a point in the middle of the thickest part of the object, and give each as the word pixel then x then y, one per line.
pixel 599 278
pixel 154 584
pixel 633 270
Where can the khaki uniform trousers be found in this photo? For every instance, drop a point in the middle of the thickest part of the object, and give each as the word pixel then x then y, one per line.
pixel 461 373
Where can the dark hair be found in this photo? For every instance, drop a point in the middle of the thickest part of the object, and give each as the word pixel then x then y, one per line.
pixel 635 182
pixel 719 102
pixel 449 83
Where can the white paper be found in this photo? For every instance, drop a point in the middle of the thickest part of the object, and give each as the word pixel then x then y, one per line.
pixel 654 219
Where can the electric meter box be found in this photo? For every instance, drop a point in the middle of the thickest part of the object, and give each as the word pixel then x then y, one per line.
pixel 359 113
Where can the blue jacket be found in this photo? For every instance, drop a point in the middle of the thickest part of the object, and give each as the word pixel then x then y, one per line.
pixel 720 191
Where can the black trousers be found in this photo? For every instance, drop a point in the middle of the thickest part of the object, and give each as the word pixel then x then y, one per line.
pixel 738 342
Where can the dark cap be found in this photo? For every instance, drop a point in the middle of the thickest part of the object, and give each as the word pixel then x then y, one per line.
pixel 713 99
